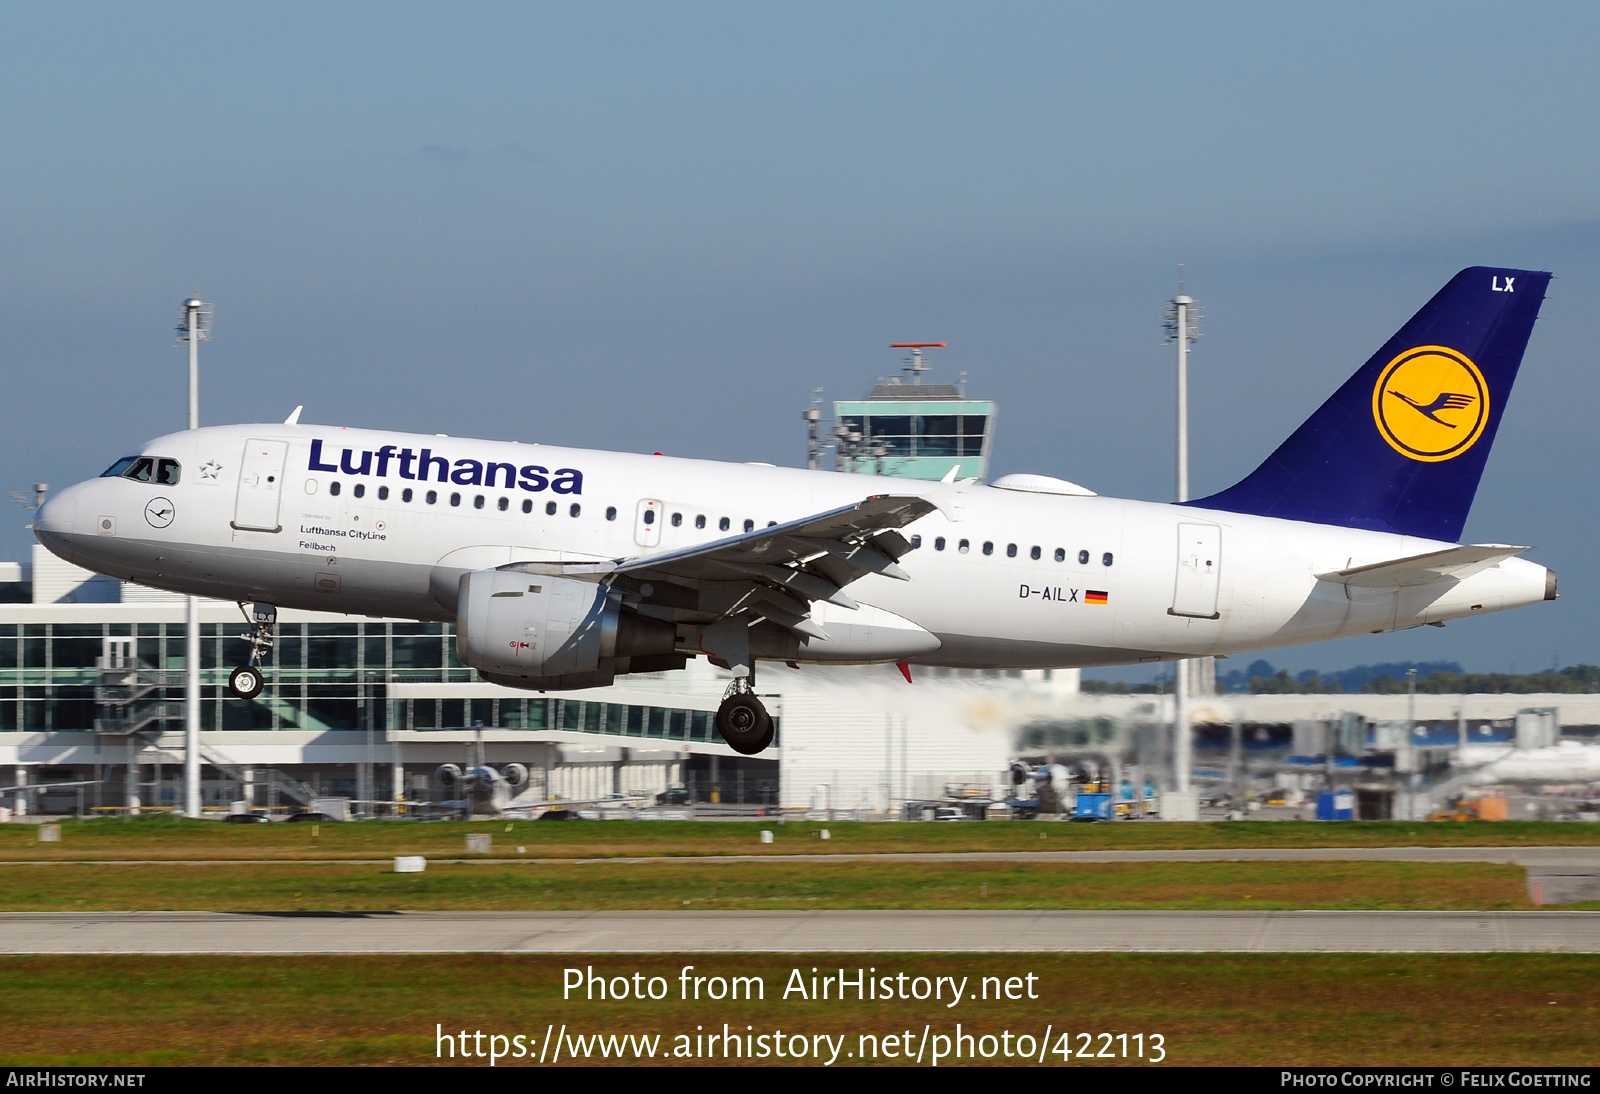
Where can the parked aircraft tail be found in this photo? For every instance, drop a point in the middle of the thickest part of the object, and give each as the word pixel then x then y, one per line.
pixel 1401 446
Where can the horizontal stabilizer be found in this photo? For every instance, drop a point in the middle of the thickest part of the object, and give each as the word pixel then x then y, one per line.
pixel 1453 562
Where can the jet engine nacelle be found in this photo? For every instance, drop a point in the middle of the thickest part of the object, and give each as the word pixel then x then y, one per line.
pixel 473 779
pixel 511 623
pixel 515 775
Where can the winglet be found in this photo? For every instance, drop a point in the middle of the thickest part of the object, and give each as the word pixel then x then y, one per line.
pixel 294 418
pixel 950 475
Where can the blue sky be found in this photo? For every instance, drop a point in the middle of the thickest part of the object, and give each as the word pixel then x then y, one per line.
pixel 657 226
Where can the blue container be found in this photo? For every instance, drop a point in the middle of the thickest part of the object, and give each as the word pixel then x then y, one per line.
pixel 1094 805
pixel 1336 805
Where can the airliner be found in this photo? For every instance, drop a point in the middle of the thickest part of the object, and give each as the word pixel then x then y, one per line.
pixel 565 568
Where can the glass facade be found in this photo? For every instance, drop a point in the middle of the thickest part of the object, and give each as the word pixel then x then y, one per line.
pixel 320 677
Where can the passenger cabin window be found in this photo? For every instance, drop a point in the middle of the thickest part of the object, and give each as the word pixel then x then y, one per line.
pixel 576 509
pixel 1083 558
pixel 988 547
pixel 963 547
pixel 407 494
pixel 611 514
pixel 1105 559
pixel 1061 554
pixel 549 508
pixel 433 496
pixel 649 516
pixel 503 504
pixel 677 520
pixel 527 505
pixel 723 524
pixel 700 521
pixel 383 493
pixel 455 499
pixel 360 490
pixel 916 542
pixel 1011 551
pixel 333 488
pixel 938 544
pixel 749 526
pixel 1034 554
pixel 477 502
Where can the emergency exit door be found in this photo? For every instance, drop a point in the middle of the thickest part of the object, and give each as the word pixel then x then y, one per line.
pixel 260 486
pixel 1199 571
pixel 647 523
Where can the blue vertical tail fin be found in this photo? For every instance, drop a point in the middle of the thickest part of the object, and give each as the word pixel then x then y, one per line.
pixel 1401 446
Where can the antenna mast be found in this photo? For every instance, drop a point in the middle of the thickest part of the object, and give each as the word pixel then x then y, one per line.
pixel 914 363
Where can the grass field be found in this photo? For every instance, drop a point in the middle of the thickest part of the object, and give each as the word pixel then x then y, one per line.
pixel 1539 1009
pixel 741 885
pixel 167 838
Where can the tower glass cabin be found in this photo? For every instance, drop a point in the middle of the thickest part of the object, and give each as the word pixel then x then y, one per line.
pixel 914 431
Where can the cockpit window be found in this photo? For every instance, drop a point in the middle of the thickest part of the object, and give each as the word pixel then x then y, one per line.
pixel 156 469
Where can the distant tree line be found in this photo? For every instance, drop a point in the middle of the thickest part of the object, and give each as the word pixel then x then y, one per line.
pixel 1387 678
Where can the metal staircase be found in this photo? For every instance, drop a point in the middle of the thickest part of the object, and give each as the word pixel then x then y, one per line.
pixel 128 702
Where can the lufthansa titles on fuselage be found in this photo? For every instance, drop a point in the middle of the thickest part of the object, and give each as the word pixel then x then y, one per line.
pixel 424 465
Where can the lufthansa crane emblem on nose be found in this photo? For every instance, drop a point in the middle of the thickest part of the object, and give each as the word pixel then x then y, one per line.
pixel 159 512
pixel 1431 403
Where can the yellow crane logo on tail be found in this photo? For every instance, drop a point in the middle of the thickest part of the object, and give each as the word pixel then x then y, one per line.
pixel 1431 403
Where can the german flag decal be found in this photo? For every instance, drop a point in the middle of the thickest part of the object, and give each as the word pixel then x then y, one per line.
pixel 1094 596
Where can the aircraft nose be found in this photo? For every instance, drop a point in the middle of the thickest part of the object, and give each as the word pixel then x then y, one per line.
pixel 58 513
pixel 57 519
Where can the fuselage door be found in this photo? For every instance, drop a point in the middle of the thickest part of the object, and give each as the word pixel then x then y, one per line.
pixel 1199 571
pixel 647 523
pixel 260 486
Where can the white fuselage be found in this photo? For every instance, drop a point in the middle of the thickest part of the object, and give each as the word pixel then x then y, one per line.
pixel 382 555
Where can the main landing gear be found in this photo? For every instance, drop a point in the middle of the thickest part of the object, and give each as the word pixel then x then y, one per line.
pixel 246 681
pixel 741 719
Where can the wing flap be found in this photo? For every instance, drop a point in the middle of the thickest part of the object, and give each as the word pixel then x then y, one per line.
pixel 1458 563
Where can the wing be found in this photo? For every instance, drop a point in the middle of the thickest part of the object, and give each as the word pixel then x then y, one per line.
pixel 772 573
pixel 1453 562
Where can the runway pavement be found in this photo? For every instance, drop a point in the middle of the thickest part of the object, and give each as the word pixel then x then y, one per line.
pixel 797 932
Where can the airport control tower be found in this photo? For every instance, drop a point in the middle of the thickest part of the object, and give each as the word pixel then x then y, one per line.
pixel 912 430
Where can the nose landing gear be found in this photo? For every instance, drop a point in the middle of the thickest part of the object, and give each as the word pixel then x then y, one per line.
pixel 246 681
